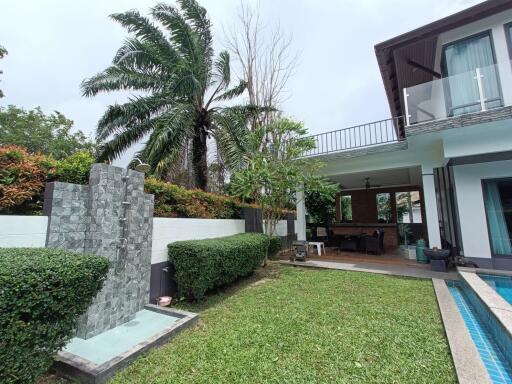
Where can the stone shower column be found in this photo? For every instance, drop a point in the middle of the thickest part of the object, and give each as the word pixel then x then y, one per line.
pixel 110 217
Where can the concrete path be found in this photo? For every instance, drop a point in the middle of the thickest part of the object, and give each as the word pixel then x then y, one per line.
pixel 384 269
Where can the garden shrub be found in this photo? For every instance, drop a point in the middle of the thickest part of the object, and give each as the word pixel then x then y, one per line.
pixel 42 294
pixel 75 168
pixel 274 246
pixel 175 201
pixel 201 265
pixel 22 176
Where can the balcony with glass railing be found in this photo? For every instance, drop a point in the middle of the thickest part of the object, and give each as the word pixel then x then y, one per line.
pixel 477 90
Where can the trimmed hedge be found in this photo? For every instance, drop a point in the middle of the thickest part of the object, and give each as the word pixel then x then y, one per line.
pixel 201 265
pixel 43 292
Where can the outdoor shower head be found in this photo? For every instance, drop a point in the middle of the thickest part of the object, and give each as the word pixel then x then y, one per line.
pixel 142 167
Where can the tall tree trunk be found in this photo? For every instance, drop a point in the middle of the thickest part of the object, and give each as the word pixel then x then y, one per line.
pixel 199 157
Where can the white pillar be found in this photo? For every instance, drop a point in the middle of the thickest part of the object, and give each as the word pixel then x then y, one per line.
pixel 300 227
pixel 429 195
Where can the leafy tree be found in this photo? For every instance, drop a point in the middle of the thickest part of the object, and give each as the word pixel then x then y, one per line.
pixel 276 169
pixel 3 52
pixel 74 169
pixel 346 208
pixel 40 133
pixel 172 62
pixel 384 206
pixel 321 202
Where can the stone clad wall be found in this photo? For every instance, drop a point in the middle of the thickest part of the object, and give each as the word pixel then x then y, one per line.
pixel 66 207
pixel 111 217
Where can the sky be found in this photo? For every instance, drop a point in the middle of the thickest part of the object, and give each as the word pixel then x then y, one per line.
pixel 55 44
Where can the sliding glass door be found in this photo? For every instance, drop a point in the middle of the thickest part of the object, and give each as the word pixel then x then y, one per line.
pixel 498 207
pixel 460 60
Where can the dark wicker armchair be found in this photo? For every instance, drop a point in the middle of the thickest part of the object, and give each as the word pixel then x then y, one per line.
pixel 349 243
pixel 375 243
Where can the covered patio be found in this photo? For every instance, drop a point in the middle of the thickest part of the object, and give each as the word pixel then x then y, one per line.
pixel 380 215
pixel 388 258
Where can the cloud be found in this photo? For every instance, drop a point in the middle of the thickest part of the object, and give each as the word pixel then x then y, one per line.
pixel 54 44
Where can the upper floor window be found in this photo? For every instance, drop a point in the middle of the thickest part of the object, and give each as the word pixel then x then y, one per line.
pixel 460 61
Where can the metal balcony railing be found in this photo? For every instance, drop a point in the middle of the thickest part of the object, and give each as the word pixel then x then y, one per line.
pixel 359 136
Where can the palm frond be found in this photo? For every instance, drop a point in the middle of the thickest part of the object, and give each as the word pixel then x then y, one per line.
pixel 135 53
pixel 181 34
pixel 222 68
pixel 233 92
pixel 116 78
pixel 134 112
pixel 115 147
pixel 143 28
pixel 232 134
pixel 196 14
pixel 167 141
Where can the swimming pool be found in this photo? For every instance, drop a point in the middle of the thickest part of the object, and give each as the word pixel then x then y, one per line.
pixel 493 357
pixel 501 284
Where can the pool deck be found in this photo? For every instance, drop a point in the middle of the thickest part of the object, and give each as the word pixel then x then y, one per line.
pixel 384 269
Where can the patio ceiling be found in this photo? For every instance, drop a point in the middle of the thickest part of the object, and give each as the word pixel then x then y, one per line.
pixel 383 178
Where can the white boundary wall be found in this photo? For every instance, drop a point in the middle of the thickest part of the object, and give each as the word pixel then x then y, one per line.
pixel 30 231
pixel 23 231
pixel 166 230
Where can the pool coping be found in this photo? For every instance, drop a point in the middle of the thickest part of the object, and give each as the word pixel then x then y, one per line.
pixel 496 304
pixel 468 365
pixel 76 368
pixel 485 271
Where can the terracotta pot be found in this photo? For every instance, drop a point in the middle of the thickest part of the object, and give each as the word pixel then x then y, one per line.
pixel 164 301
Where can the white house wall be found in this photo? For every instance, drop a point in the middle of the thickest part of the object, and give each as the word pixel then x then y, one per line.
pixel 470 202
pixel 23 231
pixel 478 139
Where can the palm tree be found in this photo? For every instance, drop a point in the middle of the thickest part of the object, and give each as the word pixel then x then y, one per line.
pixel 170 62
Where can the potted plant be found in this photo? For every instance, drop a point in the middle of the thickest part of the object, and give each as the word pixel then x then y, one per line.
pixel 404 232
pixel 438 258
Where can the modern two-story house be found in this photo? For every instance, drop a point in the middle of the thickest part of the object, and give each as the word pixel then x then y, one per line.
pixel 443 161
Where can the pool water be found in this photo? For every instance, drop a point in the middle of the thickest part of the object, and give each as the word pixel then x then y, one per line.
pixel 501 284
pixel 494 360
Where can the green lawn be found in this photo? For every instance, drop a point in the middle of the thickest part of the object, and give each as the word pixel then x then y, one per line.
pixel 293 325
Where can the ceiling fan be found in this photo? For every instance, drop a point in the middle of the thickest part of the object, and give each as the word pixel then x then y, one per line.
pixel 369 185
